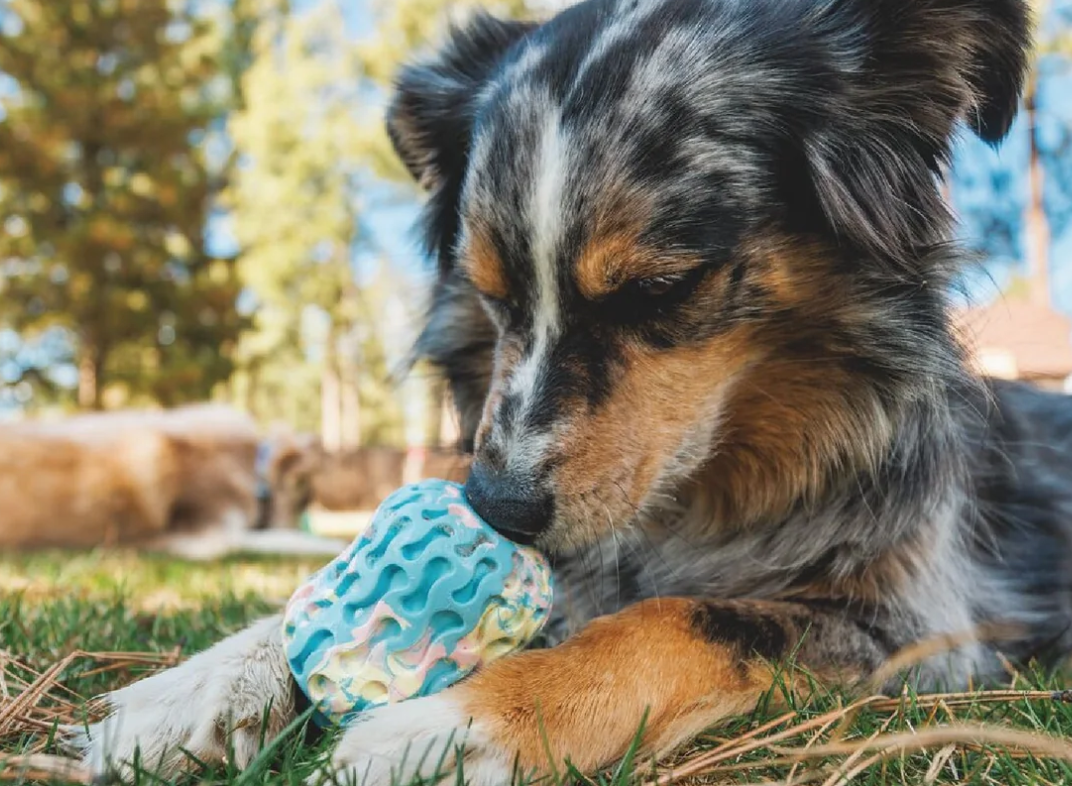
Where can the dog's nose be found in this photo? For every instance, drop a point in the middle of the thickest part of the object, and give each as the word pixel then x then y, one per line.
pixel 514 509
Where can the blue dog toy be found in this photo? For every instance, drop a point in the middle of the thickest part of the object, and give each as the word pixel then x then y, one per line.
pixel 425 595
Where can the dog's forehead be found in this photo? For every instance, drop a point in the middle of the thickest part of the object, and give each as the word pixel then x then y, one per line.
pixel 616 121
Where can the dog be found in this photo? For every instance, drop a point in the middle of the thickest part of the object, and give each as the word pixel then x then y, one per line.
pixel 693 306
pixel 184 481
pixel 358 478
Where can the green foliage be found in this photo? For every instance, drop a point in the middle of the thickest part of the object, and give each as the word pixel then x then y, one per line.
pixel 132 122
pixel 304 152
pixel 106 191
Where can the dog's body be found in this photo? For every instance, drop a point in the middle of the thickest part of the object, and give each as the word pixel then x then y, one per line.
pixel 184 481
pixel 694 267
pixel 360 478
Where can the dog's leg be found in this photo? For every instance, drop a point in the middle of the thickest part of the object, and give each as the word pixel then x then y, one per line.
pixel 687 663
pixel 205 543
pixel 232 535
pixel 290 542
pixel 223 692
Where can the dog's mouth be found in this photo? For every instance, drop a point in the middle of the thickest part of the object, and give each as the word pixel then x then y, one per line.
pixel 555 521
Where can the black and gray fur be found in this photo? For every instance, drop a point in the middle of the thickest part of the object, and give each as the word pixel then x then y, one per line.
pixel 824 121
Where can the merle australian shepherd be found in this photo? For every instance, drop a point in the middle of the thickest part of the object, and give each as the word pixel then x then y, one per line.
pixel 692 301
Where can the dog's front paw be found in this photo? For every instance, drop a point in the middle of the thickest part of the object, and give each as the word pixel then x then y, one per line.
pixel 217 700
pixel 420 738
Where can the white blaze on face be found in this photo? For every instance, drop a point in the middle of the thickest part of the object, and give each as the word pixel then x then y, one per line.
pixel 523 451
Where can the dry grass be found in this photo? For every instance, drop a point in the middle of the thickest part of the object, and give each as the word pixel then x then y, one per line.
pixel 53 661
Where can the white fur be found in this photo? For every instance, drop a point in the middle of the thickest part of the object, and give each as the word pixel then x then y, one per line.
pixel 526 451
pixel 232 536
pixel 421 737
pixel 546 219
pixel 228 686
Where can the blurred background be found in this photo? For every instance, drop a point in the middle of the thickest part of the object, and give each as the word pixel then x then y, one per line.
pixel 198 201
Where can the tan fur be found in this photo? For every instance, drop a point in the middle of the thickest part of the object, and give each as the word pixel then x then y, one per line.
pixel 783 433
pixel 663 391
pixel 484 267
pixel 124 478
pixel 605 266
pixel 648 658
pixel 615 254
pixel 786 419
pixel 605 460
pixel 357 479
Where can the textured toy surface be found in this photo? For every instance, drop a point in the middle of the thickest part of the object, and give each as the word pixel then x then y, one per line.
pixel 425 595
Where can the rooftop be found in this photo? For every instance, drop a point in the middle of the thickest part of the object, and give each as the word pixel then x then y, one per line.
pixel 1018 337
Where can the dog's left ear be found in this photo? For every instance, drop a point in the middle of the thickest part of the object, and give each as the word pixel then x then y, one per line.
pixel 908 72
pixel 430 118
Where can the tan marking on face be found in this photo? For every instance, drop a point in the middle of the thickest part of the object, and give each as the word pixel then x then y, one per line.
pixel 484 267
pixel 606 265
pixel 786 427
pixel 620 450
pixel 793 423
pixel 794 273
pixel 600 267
pixel 613 253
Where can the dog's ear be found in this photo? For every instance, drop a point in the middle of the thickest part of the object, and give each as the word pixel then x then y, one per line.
pixel 909 71
pixel 431 116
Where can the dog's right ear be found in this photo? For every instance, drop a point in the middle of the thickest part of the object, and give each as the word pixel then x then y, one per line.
pixel 430 119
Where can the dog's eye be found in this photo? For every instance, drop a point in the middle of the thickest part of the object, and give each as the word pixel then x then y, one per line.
pixel 658 285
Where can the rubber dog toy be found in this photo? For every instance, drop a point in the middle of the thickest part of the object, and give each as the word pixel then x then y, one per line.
pixel 425 595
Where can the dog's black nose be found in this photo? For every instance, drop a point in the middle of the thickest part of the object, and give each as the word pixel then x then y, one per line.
pixel 517 510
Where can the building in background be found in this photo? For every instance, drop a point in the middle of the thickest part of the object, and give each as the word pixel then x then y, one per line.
pixel 1018 338
pixel 1020 335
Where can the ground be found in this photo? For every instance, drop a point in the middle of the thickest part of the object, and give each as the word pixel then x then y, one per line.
pixel 72 626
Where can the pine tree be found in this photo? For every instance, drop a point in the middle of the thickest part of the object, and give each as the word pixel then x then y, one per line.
pixel 104 193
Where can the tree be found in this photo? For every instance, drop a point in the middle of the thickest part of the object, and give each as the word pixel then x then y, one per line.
pixel 1008 224
pixel 293 199
pixel 1037 227
pixel 105 193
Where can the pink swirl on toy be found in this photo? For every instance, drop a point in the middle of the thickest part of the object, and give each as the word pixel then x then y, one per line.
pixel 464 516
pixel 379 612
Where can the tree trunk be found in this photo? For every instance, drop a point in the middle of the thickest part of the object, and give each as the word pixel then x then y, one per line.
pixel 351 409
pixel 90 367
pixel 330 397
pixel 1036 224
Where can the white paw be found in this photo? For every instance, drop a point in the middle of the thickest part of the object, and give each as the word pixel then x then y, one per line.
pixel 394 745
pixel 223 691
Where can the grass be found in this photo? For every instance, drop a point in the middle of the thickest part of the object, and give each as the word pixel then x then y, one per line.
pixel 72 626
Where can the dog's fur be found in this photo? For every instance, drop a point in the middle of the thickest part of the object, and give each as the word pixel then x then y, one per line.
pixel 692 303
pixel 183 481
pixel 358 478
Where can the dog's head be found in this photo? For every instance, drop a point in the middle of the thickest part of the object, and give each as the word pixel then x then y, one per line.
pixel 694 242
pixel 293 460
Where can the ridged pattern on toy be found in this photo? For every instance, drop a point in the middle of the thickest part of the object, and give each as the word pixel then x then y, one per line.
pixel 426 594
